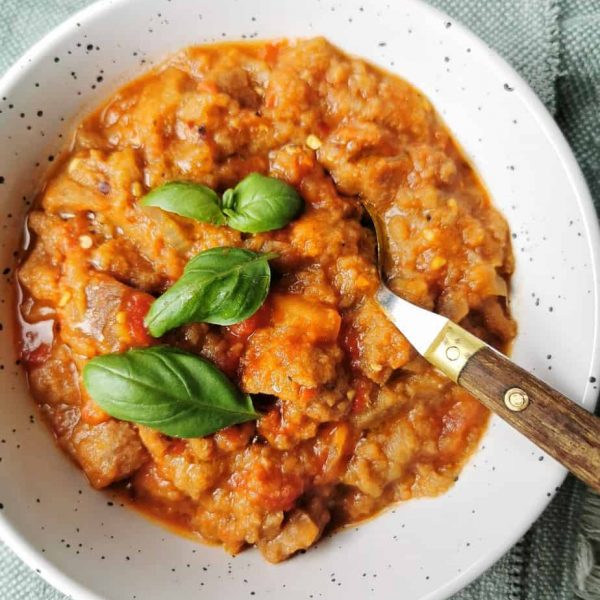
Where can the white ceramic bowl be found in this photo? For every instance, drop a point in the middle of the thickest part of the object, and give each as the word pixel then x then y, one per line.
pixel 424 548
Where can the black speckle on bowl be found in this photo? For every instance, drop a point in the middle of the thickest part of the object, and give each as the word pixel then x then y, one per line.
pixel 508 88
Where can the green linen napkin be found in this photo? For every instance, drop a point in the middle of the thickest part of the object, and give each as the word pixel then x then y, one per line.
pixel 555 45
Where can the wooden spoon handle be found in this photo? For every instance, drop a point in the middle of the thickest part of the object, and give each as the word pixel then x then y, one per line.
pixel 561 427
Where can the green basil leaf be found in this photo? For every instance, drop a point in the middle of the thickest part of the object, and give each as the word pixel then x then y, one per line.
pixel 227 201
pixel 259 203
pixel 177 393
pixel 187 199
pixel 220 286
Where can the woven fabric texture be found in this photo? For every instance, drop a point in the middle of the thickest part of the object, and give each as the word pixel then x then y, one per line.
pixel 555 45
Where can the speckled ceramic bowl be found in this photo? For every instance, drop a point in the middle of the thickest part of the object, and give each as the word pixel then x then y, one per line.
pixel 92 548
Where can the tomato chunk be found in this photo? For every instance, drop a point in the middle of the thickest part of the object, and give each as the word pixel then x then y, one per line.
pixel 244 329
pixel 36 342
pixel 362 390
pixel 351 344
pixel 136 308
pixel 34 357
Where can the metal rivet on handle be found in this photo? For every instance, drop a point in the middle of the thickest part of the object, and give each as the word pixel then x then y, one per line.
pixel 516 399
pixel 452 353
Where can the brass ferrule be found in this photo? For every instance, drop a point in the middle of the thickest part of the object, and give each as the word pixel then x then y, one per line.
pixel 451 350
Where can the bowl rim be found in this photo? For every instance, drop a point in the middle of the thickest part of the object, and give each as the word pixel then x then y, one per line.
pixel 32 557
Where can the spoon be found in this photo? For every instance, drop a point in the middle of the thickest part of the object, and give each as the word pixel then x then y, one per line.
pixel 562 428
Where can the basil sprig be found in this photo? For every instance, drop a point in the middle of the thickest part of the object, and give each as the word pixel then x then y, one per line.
pixel 177 393
pixel 259 203
pixel 187 199
pixel 222 286
pixel 255 204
